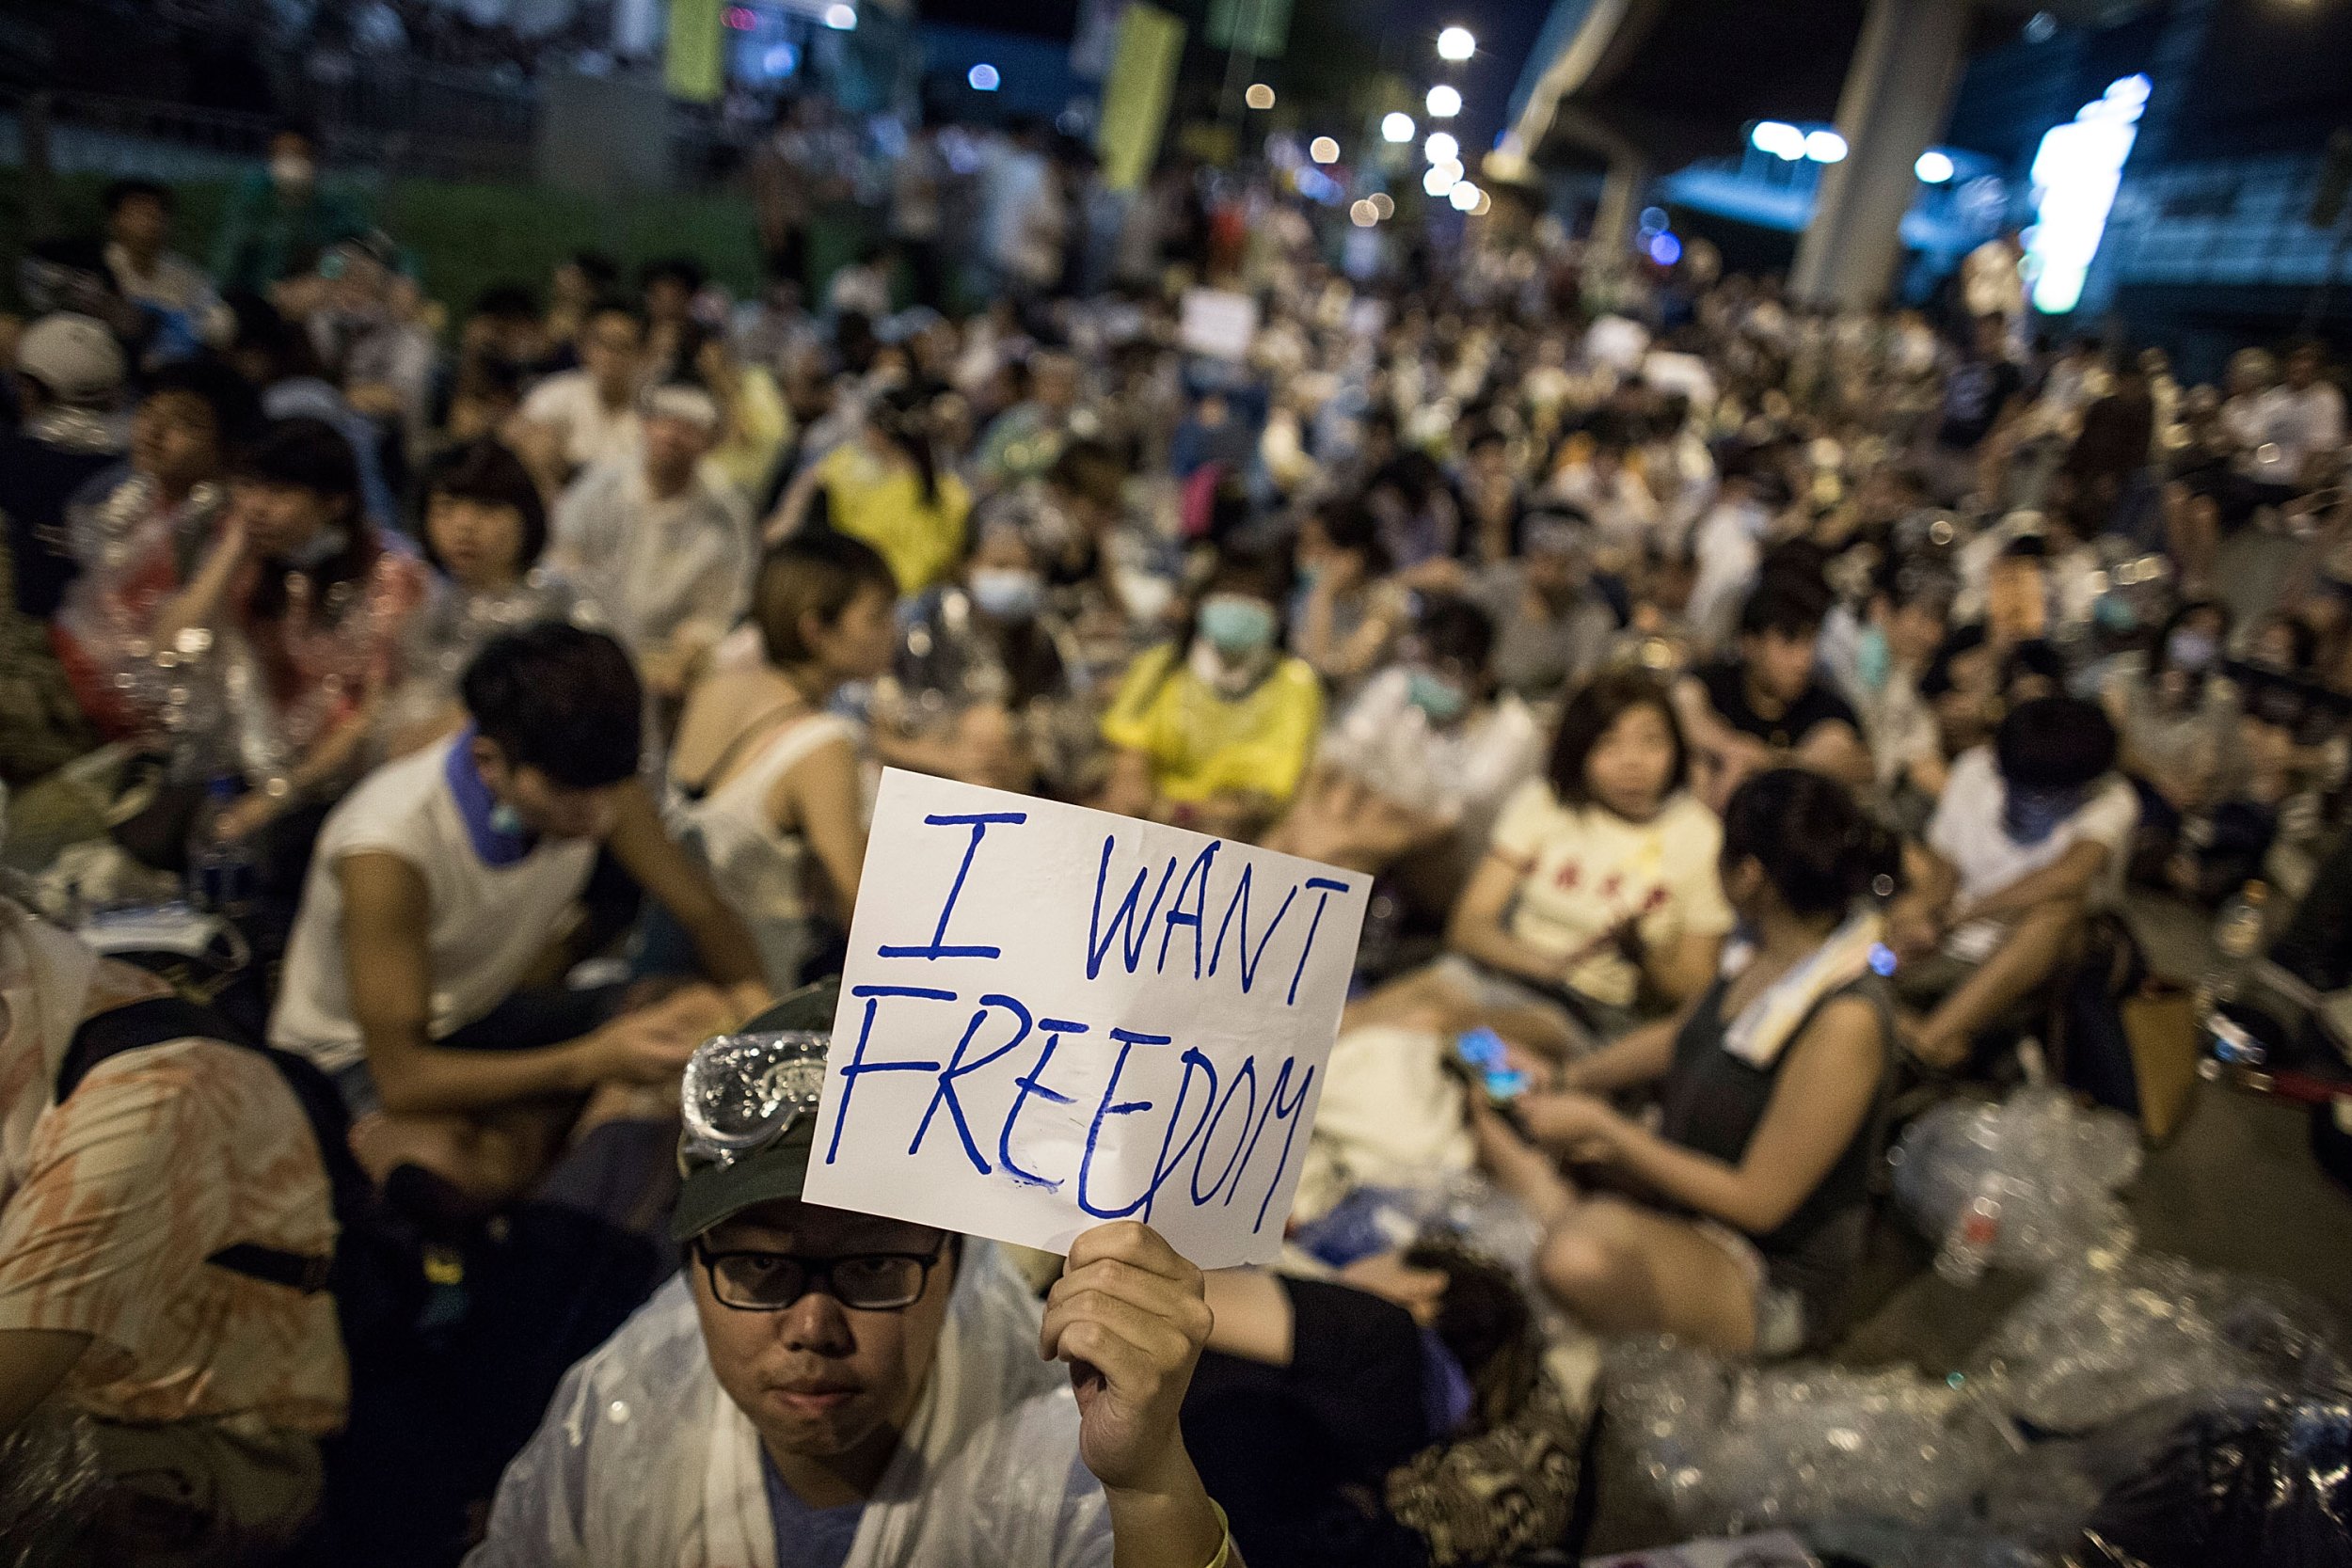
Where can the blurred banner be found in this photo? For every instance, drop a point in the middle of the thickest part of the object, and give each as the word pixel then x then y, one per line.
pixel 1134 98
pixel 1256 27
pixel 693 69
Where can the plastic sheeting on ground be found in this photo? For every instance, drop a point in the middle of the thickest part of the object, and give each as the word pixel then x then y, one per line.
pixel 2053 1167
pixel 2271 1485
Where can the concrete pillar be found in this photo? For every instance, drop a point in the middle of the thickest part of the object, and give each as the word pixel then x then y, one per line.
pixel 1621 192
pixel 1897 96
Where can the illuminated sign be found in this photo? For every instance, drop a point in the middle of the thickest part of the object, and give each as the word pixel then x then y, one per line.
pixel 2076 173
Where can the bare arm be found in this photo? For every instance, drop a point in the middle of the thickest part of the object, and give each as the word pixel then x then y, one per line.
pixel 1681 969
pixel 385 916
pixel 1824 1095
pixel 822 795
pixel 1635 1059
pixel 2068 877
pixel 671 879
pixel 1477 928
pixel 792 511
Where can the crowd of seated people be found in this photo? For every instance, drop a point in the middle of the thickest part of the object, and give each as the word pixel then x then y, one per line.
pixel 1740 709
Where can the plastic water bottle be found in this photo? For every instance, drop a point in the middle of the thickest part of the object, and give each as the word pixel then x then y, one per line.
pixel 2237 938
pixel 1967 1250
pixel 221 870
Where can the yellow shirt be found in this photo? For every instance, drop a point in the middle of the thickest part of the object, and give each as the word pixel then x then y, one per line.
pixel 1202 745
pixel 1586 871
pixel 883 504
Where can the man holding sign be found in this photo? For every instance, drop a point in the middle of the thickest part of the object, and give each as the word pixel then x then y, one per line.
pixel 827 1387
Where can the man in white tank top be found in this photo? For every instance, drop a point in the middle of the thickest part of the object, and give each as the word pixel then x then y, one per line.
pixel 446 880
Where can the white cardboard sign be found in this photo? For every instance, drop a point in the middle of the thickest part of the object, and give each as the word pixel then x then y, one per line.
pixel 1218 323
pixel 1053 1018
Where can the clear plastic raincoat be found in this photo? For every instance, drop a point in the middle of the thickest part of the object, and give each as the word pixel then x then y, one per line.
pixel 643 1462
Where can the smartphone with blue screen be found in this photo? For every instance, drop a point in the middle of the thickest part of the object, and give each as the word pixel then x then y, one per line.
pixel 1482 1051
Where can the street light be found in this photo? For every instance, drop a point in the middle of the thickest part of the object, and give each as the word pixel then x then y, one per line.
pixel 1397 127
pixel 1455 43
pixel 1465 195
pixel 1933 168
pixel 1383 203
pixel 1363 214
pixel 1441 178
pixel 1443 101
pixel 1824 146
pixel 1441 147
pixel 1260 96
pixel 1323 150
pixel 840 16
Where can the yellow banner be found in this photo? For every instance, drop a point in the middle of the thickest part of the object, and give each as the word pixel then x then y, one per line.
pixel 1135 98
pixel 692 66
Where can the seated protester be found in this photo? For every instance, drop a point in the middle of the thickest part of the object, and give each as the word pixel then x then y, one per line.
pixel 662 555
pixel 1600 881
pixel 583 418
pixel 1962 688
pixel 1024 441
pixel 1756 1186
pixel 484 531
pixel 306 605
pixel 204 1388
pixel 69 378
pixel 1412 776
pixel 440 885
pixel 1353 1420
pixel 821 1387
pixel 183 310
pixel 987 686
pixel 368 337
pixel 138 530
pixel 1768 706
pixel 1494 499
pixel 888 487
pixel 1418 518
pixel 1349 610
pixel 1215 731
pixel 275 356
pixel 1595 474
pixel 2032 834
pixel 770 774
pixel 2184 743
pixel 1877 664
pixel 1727 546
pixel 1555 630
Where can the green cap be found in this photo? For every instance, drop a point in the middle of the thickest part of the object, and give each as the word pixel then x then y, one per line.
pixel 715 1188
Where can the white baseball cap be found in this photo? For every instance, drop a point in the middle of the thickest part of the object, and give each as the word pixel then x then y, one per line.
pixel 75 358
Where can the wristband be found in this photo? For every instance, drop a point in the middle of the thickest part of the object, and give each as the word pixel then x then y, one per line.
pixel 1225 1548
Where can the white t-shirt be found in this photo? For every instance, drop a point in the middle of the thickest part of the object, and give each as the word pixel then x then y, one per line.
pixel 1967 831
pixel 1583 871
pixel 486 924
pixel 591 432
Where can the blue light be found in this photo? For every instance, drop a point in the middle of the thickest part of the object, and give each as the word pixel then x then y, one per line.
pixel 1665 249
pixel 983 77
pixel 781 60
pixel 1881 958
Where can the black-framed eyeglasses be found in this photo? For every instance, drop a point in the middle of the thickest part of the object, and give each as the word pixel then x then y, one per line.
pixel 771 1281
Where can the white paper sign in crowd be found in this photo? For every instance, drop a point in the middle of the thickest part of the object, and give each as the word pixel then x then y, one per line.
pixel 1053 1018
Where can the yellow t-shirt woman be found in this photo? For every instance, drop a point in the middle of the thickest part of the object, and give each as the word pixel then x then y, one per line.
pixel 876 499
pixel 1203 743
